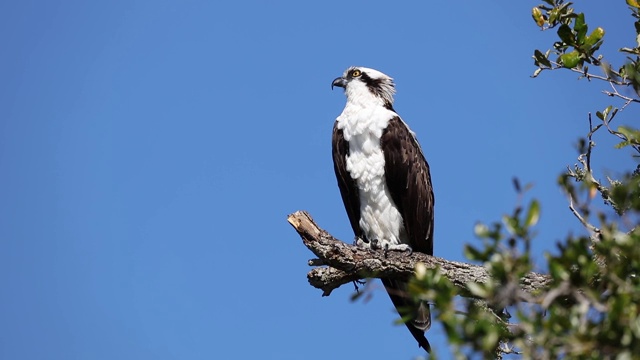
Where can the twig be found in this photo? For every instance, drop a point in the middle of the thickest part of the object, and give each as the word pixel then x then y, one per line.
pixel 615 92
pixel 612 82
pixel 594 230
pixel 588 75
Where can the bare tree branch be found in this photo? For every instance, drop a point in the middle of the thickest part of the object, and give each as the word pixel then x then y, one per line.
pixel 628 100
pixel 346 263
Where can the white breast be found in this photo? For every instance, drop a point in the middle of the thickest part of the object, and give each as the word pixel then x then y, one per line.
pixel 362 128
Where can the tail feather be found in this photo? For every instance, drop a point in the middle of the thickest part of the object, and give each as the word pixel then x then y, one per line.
pixel 421 319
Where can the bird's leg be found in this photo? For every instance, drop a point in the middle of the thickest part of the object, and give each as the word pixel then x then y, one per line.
pixel 396 247
pixel 364 243
pixel 385 245
pixel 360 242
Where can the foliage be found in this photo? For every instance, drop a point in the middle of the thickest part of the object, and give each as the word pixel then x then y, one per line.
pixel 591 310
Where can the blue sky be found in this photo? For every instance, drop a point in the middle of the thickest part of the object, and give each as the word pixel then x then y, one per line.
pixel 150 152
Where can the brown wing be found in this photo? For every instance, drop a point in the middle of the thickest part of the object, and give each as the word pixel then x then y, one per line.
pixel 409 183
pixel 348 186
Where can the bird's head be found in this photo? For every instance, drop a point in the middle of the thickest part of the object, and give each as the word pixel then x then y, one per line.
pixel 362 83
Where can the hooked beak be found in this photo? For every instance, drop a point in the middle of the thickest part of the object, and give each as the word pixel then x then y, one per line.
pixel 341 82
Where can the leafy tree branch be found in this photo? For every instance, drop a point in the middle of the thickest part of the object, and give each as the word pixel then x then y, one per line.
pixel 588 304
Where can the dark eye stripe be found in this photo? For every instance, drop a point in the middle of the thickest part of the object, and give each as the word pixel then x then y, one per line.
pixel 374 85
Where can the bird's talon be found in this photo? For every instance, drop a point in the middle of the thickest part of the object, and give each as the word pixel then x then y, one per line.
pixel 358 240
pixel 362 243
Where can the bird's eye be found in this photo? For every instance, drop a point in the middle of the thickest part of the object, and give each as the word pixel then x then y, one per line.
pixel 356 73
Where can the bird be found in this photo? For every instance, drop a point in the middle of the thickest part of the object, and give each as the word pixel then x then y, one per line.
pixel 384 181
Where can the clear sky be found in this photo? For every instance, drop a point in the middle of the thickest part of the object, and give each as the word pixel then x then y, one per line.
pixel 150 152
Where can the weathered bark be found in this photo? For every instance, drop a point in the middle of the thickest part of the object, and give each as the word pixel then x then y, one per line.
pixel 345 263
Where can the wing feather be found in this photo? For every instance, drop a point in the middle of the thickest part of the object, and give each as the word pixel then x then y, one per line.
pixel 348 187
pixel 409 183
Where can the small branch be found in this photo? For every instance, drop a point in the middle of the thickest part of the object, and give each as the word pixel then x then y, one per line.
pixel 587 75
pixel 590 145
pixel 592 229
pixel 618 134
pixel 585 161
pixel 586 172
pixel 612 82
pixel 347 263
pixel 615 92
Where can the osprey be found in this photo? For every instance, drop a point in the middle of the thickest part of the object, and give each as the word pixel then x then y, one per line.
pixel 384 180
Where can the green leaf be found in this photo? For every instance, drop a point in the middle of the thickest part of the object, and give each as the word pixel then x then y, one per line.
pixel 490 339
pixel 557 271
pixel 481 230
pixel 533 214
pixel 553 16
pixel 629 70
pixel 570 60
pixel 605 113
pixel 565 34
pixel 536 14
pixel 622 144
pixel 511 224
pixel 472 253
pixel 596 35
pixel 541 58
pixel 477 289
pixel 581 28
pixel 632 136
